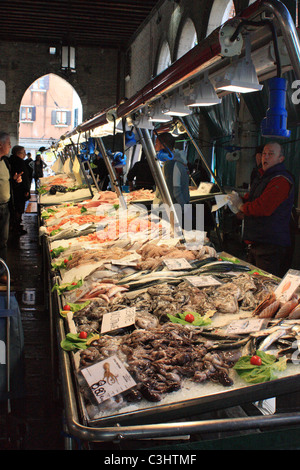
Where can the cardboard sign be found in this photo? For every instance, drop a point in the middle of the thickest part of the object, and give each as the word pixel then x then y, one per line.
pixel 288 285
pixel 246 326
pixel 107 378
pixel 118 319
pixel 202 281
pixel 177 264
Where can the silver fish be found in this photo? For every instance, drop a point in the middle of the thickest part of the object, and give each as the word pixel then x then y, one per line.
pixel 270 339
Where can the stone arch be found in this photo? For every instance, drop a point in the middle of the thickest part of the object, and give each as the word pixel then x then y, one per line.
pixel 220 12
pixel 49 107
pixel 187 38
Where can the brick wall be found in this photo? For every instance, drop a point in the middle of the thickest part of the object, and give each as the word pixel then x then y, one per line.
pixel 21 64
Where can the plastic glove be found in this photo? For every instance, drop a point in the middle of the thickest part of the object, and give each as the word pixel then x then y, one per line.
pixel 234 202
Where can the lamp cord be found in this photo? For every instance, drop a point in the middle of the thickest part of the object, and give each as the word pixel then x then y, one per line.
pixel 274 35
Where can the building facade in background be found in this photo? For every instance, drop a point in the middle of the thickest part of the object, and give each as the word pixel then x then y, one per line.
pixel 50 107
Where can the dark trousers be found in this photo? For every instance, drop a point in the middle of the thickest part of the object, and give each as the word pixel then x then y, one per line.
pixel 268 257
pixel 4 232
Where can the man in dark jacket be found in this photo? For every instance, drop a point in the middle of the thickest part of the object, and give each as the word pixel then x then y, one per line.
pixel 22 190
pixel 101 172
pixel 30 165
pixel 140 176
pixel 7 180
pixel 266 210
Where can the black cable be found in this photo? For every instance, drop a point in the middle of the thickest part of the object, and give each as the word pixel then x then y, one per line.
pixel 274 35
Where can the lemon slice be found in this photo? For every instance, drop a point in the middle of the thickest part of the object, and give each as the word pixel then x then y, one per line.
pixel 93 338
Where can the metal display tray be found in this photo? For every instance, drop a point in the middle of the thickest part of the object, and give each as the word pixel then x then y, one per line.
pixel 158 420
pixel 175 419
pixel 165 420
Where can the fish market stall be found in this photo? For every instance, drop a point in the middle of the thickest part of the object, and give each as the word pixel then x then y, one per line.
pixel 165 368
pixel 153 330
pixel 125 312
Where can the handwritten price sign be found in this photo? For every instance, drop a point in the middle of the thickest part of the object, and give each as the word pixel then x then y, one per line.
pixel 107 378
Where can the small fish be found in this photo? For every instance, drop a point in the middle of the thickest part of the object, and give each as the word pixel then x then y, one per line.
pixel 269 340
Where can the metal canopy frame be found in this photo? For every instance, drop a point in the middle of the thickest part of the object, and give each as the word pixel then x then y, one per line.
pixel 206 57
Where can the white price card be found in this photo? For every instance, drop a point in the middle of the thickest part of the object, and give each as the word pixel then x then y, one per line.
pixel 202 281
pixel 80 228
pixel 120 262
pixel 220 202
pixel 61 213
pixel 177 263
pixel 118 319
pixel 108 378
pixel 245 326
pixel 129 260
pixel 288 285
pixel 66 225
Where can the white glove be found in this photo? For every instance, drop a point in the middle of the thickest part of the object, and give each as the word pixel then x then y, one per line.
pixel 234 202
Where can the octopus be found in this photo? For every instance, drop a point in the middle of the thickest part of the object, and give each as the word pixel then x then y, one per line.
pixel 161 358
pixel 108 375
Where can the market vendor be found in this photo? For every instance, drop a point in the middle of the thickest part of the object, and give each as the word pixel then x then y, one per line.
pixel 258 157
pixel 266 211
pixel 175 171
pixel 101 172
pixel 140 176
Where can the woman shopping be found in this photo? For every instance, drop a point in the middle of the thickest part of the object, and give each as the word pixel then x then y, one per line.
pixel 38 169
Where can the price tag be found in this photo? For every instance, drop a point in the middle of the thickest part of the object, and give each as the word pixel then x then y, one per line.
pixel 246 326
pixel 177 264
pixel 107 378
pixel 288 285
pixel 168 241
pixel 129 260
pixel 125 262
pixel 119 319
pixel 61 213
pixel 202 281
pixel 83 227
pixel 66 225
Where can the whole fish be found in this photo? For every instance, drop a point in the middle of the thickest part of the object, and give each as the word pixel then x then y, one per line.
pixel 270 339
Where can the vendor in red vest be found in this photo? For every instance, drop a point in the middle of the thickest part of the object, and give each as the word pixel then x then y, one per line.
pixel 266 211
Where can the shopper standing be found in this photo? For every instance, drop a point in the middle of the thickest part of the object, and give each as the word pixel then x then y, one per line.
pixel 30 165
pixel 21 192
pixel 6 198
pixel 38 171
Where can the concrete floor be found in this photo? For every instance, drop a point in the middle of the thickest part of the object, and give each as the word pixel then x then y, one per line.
pixel 36 420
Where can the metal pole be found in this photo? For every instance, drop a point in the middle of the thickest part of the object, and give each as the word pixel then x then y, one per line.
pixel 288 30
pixel 157 173
pixel 82 168
pixel 7 338
pixel 201 154
pixel 112 174
pixel 92 175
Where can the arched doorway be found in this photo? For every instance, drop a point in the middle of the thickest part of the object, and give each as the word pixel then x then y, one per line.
pixel 50 107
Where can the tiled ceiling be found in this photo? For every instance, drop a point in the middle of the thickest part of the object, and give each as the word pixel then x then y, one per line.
pixel 111 23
